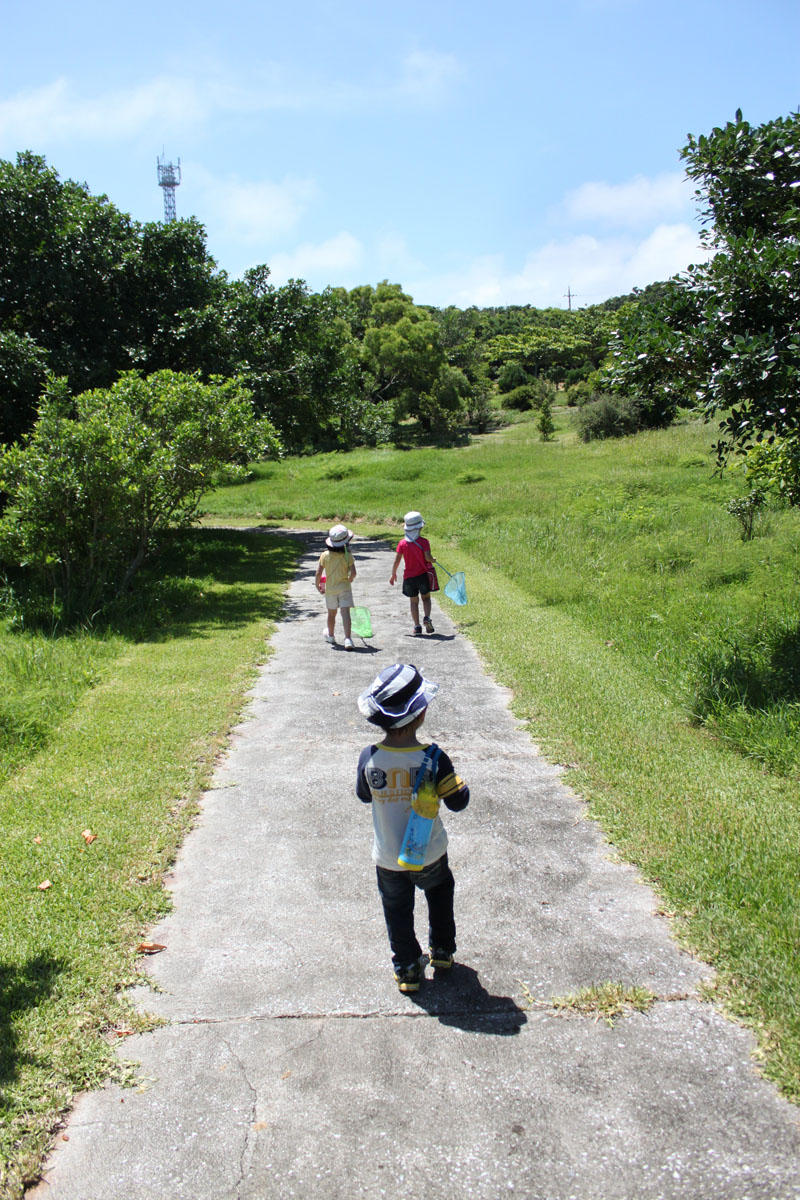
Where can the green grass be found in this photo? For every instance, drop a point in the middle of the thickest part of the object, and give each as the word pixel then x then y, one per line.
pixel 43 679
pixel 123 754
pixel 607 584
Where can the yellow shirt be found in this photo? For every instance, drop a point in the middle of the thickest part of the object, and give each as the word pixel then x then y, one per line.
pixel 336 566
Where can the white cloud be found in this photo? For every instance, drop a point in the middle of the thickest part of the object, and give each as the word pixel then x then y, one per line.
pixel 427 76
pixel 58 112
pixel 637 202
pixel 246 212
pixel 62 111
pixel 322 263
pixel 592 268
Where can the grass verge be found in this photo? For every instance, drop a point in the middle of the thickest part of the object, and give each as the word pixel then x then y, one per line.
pixel 123 767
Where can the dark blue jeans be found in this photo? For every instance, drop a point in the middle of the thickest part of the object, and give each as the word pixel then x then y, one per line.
pixel 398 890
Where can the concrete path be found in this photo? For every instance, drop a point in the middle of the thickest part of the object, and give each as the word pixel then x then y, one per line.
pixel 289 1064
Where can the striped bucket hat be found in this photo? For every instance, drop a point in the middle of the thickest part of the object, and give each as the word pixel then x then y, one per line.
pixel 396 696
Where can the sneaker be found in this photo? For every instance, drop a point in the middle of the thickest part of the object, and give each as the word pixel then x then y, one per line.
pixel 417 631
pixel 348 644
pixel 442 960
pixel 409 978
pixel 428 625
pixel 330 639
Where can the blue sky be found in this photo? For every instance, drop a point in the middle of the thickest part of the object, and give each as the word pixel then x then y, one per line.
pixel 475 153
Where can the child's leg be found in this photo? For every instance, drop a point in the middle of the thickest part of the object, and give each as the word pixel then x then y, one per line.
pixel 397 895
pixel 331 620
pixel 426 606
pixel 345 621
pixel 439 894
pixel 414 602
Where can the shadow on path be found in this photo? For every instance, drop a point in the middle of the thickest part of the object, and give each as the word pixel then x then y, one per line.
pixel 458 998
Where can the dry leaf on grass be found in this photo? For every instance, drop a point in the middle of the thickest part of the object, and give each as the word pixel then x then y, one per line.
pixel 149 948
pixel 89 837
pixel 44 885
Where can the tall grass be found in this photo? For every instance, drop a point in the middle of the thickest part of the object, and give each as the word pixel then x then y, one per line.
pixel 648 646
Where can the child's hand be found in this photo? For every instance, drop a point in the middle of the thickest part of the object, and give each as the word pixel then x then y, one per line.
pixel 391 581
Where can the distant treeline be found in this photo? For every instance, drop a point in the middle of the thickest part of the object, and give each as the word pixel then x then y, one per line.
pixel 87 293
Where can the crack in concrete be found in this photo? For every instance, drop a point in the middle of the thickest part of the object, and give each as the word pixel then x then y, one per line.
pixel 243 1018
pixel 251 1122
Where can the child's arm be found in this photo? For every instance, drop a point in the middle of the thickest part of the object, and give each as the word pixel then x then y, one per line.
pixel 427 552
pixel 352 562
pixel 451 789
pixel 362 787
pixel 318 576
pixel 398 558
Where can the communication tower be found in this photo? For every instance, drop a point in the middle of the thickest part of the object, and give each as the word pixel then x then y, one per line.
pixel 169 177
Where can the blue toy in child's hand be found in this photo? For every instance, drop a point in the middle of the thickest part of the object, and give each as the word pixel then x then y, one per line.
pixel 424 810
pixel 456 586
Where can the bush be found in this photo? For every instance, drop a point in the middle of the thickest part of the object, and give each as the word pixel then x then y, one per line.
pixel 512 375
pixel 521 398
pixel 531 395
pixel 580 393
pixel 609 416
pixel 102 475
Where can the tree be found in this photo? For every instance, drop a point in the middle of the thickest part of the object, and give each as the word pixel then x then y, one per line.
pixel 23 371
pixel 545 423
pixel 402 354
pixel 103 474
pixel 173 301
pixel 650 362
pixel 749 336
pixel 552 342
pixel 296 351
pixel 96 292
pixel 730 328
pixel 62 268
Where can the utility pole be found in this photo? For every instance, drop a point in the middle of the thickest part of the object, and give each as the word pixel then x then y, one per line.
pixel 569 294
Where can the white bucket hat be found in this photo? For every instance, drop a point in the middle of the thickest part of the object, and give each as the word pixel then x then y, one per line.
pixel 340 535
pixel 412 524
pixel 396 696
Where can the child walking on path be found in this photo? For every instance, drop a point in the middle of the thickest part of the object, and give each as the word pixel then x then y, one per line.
pixel 415 553
pixel 396 701
pixel 339 569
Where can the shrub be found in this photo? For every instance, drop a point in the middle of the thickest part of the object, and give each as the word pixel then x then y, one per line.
pixel 745 509
pixel 102 475
pixel 512 375
pixel 530 395
pixel 521 398
pixel 609 416
pixel 579 393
